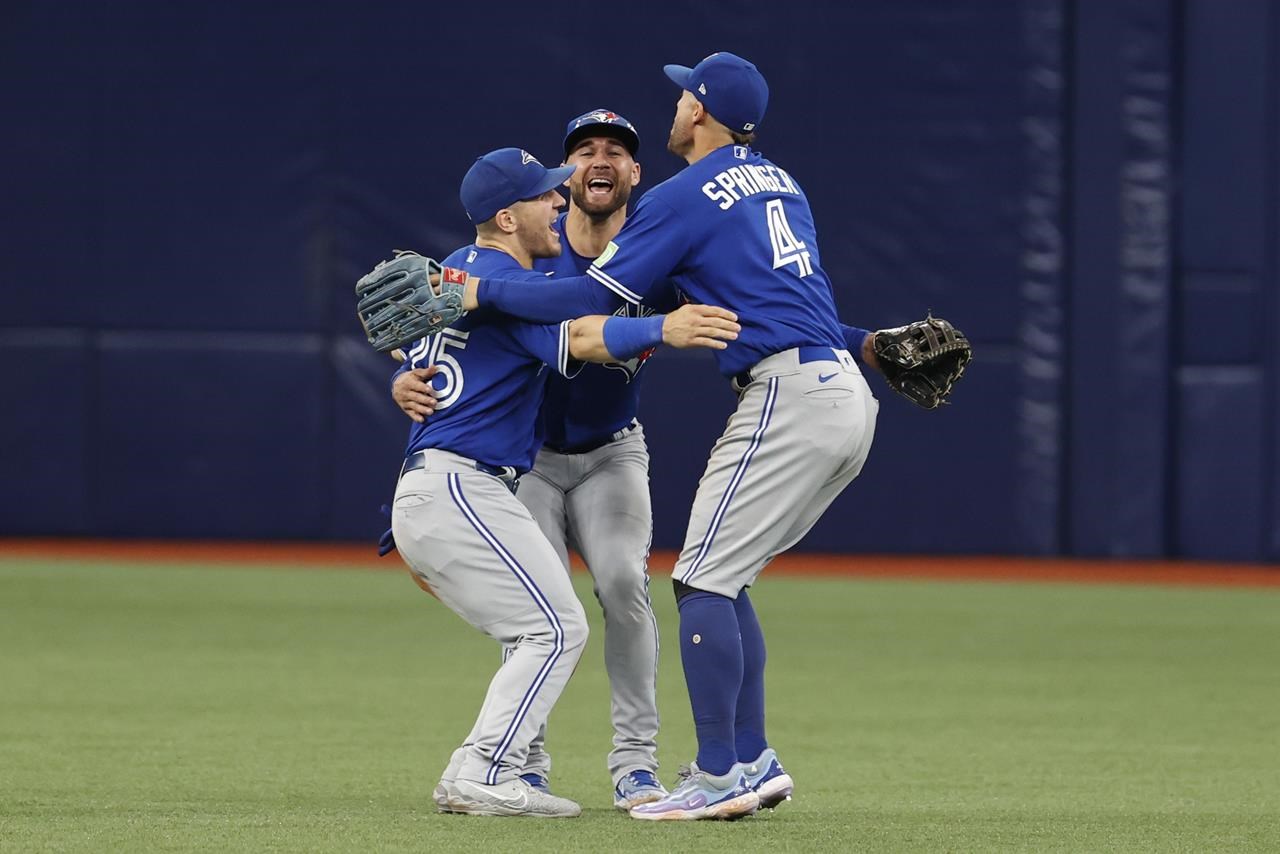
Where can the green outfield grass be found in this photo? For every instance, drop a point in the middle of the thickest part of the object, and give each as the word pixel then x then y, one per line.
pixel 224 709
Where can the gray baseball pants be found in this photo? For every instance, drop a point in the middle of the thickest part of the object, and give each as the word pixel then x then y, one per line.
pixel 802 431
pixel 467 537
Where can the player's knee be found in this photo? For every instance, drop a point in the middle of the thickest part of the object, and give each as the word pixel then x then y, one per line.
pixel 564 627
pixel 622 591
pixel 574 629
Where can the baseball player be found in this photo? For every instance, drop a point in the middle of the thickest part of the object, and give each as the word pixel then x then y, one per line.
pixel 589 487
pixel 455 519
pixel 734 229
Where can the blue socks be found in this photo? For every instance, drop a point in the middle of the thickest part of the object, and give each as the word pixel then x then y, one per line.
pixel 722 650
pixel 749 722
pixel 711 653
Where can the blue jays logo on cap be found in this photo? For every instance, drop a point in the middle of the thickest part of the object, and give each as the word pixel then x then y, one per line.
pixel 601 123
pixel 501 178
pixel 602 117
pixel 732 89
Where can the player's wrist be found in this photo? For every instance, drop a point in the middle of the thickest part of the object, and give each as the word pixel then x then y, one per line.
pixel 627 337
pixel 473 293
pixel 869 351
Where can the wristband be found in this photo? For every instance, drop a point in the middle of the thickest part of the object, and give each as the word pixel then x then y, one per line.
pixel 628 337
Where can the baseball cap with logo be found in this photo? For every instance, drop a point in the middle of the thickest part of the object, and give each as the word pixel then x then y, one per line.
pixel 601 123
pixel 501 178
pixel 732 89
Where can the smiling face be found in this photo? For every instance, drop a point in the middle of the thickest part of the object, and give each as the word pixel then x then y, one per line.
pixel 605 176
pixel 535 224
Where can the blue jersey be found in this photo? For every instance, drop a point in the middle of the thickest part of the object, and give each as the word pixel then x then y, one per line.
pixel 732 230
pixel 601 399
pixel 492 374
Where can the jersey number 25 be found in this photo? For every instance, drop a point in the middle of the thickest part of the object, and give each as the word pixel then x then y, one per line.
pixel 786 248
pixel 431 351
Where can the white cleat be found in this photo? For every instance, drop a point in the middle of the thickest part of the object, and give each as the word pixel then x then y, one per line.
pixel 443 795
pixel 512 798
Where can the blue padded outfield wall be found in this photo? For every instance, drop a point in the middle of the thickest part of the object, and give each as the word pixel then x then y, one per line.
pixel 1087 187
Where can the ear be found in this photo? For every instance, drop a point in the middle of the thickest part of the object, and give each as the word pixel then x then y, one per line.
pixel 635 174
pixel 699 113
pixel 506 221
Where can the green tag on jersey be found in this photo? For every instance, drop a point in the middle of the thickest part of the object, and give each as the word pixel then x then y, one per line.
pixel 609 252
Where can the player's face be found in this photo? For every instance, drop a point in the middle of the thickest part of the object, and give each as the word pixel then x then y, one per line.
pixel 605 177
pixel 680 142
pixel 536 220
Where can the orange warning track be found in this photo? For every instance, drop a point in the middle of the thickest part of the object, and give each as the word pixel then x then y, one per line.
pixel 850 566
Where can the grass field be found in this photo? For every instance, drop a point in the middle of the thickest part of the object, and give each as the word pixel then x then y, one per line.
pixel 175 708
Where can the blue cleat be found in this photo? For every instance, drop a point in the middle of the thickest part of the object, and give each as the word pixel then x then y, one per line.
pixel 636 788
pixel 767 779
pixel 703 796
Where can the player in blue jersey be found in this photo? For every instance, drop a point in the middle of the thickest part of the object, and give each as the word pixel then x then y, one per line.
pixel 734 229
pixel 455 519
pixel 589 486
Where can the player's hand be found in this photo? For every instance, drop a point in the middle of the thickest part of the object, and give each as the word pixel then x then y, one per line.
pixel 696 325
pixel 413 393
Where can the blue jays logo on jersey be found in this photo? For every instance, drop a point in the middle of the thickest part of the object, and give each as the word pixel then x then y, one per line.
pixel 632 366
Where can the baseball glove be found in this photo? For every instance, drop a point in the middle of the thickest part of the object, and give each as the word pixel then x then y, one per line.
pixel 922 360
pixel 398 305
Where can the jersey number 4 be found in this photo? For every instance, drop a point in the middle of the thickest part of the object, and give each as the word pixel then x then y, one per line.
pixel 431 351
pixel 786 249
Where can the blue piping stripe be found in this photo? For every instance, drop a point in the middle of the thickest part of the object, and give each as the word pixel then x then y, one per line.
pixel 455 490
pixel 562 349
pixel 770 397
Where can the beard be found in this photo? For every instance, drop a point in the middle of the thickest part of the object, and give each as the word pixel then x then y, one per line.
pixel 544 246
pixel 599 207
pixel 680 141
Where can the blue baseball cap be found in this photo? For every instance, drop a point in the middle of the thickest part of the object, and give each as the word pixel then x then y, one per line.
pixel 601 123
pixel 732 89
pixel 501 178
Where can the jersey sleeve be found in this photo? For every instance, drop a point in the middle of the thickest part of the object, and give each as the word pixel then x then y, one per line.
pixel 853 338
pixel 547 301
pixel 405 367
pixel 550 343
pixel 650 246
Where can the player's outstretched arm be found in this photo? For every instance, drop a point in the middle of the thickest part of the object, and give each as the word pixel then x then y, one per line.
pixel 650 245
pixel 551 301
pixel 599 338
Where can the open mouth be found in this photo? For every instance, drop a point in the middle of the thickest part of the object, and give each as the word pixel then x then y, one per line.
pixel 599 186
